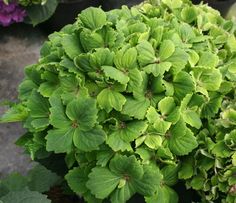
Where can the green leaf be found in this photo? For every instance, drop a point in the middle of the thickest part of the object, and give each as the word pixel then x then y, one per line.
pixel 146 53
pixel 77 178
pixel 162 126
pixel 58 116
pixel 47 88
pixel 13 182
pixel 187 168
pixel 126 58
pixel 82 62
pixel 131 106
pixel 25 196
pixel 234 159
pixel 25 89
pixel 91 40
pixel 40 13
pixel 60 140
pixel 197 182
pixel 102 57
pixel 83 113
pixel 166 105
pixel 138 27
pixel 210 79
pixel 14 114
pixel 221 150
pixel 193 57
pixel 152 115
pixel 123 194
pixel 40 123
pixel 126 167
pixel 38 106
pixel 93 18
pixel 109 99
pixel 89 140
pixel 167 48
pixel 117 144
pixel 189 14
pixel 158 68
pixel 104 156
pixel 164 195
pixel 181 141
pixel 145 154
pixel 37 183
pixel 115 74
pixel 174 116
pixel 153 141
pixel 170 174
pixel 102 182
pixel 187 34
pixel 183 84
pixel 192 118
pixel 72 46
pixel 150 181
pixel 135 80
pixel 173 4
pixel 208 60
pixel 231 43
pixel 70 159
pixel 129 131
pixel 165 153
pixel 210 108
pixel 179 60
pixel 232 68
pixel 111 38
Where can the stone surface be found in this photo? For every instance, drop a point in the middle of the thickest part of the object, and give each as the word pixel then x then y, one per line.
pixel 19 47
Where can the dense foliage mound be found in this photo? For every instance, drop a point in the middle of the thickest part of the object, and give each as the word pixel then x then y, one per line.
pixel 137 100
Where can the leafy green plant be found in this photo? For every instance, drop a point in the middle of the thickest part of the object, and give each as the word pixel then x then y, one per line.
pixel 17 188
pixel 136 100
pixel 31 11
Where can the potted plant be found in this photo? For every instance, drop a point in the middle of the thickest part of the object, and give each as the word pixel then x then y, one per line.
pixel 33 12
pixel 136 101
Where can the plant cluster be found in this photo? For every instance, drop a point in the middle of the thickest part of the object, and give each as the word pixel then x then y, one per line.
pixel 137 100
pixel 28 189
pixel 30 11
pixel 30 2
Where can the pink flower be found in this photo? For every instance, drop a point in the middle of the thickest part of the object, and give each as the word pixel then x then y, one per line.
pixel 11 13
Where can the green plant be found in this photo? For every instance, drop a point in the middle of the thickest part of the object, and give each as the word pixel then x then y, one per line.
pixel 136 99
pixel 31 11
pixel 17 188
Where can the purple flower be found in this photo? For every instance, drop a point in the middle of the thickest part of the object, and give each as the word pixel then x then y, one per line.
pixel 11 13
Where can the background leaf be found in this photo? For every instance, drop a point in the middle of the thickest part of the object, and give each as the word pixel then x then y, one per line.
pixel 40 13
pixel 25 196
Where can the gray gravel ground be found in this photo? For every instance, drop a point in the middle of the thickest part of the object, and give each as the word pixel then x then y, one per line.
pixel 19 46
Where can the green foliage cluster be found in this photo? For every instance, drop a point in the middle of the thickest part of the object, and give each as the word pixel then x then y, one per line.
pixel 37 11
pixel 137 99
pixel 27 2
pixel 17 188
pixel 30 2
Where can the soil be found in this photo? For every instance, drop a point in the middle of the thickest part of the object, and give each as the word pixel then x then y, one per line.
pixel 56 196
